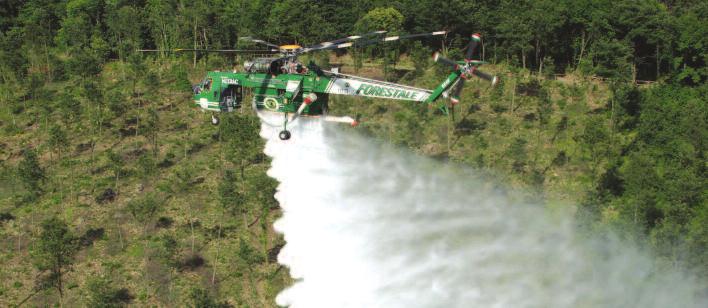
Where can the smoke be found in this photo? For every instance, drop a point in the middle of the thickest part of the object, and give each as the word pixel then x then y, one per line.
pixel 371 226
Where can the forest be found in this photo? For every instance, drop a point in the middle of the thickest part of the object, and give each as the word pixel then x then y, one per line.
pixel 116 191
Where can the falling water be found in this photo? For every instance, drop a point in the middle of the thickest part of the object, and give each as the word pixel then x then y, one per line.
pixel 367 225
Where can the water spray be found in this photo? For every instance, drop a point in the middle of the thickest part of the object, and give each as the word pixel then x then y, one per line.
pixel 367 225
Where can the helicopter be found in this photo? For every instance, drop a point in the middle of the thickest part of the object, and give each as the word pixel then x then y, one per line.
pixel 282 84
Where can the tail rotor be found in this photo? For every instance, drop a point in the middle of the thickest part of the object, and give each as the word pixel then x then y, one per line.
pixel 466 69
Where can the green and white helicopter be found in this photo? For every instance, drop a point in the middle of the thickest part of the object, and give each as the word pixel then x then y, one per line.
pixel 283 85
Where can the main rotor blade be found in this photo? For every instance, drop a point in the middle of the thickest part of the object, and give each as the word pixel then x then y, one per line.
pixel 382 40
pixel 230 50
pixel 250 39
pixel 485 76
pixel 474 40
pixel 209 50
pixel 342 40
pixel 477 62
pixel 399 37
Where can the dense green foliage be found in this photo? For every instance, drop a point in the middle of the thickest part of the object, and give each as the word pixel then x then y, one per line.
pixel 657 184
pixel 601 103
pixel 647 40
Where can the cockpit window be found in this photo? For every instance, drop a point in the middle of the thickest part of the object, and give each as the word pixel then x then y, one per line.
pixel 207 84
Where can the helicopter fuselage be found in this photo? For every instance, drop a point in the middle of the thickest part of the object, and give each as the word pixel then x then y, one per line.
pixel 224 91
pixel 284 85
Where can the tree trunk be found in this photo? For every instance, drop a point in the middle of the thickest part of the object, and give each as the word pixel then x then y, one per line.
pixel 116 186
pixel 164 40
pixel 186 140
pixel 191 226
pixel 145 257
pixel 60 286
pixel 658 62
pixel 137 120
pixel 31 227
pixel 495 53
pixel 120 57
pixel 206 40
pixel 583 42
pixel 612 117
pixel 539 146
pixel 120 238
pixel 35 291
pixel 634 72
pixel 538 52
pixel 194 60
pixel 513 97
pixel 216 258
pixel 49 65
pixel 154 131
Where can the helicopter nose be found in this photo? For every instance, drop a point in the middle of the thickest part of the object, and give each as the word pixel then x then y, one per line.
pixel 196 89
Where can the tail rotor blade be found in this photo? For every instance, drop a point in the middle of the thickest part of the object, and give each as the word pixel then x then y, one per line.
pixel 474 41
pixel 485 76
pixel 455 98
pixel 440 59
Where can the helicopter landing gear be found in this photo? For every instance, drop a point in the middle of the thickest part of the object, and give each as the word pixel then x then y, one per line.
pixel 214 120
pixel 284 135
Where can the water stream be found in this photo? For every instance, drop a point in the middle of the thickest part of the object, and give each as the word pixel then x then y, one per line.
pixel 367 225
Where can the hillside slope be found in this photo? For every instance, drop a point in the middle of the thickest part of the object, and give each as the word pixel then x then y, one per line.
pixel 165 208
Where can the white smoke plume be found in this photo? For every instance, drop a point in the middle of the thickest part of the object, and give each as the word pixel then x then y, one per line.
pixel 366 225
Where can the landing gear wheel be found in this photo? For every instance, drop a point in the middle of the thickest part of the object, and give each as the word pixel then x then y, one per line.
pixel 214 120
pixel 284 135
